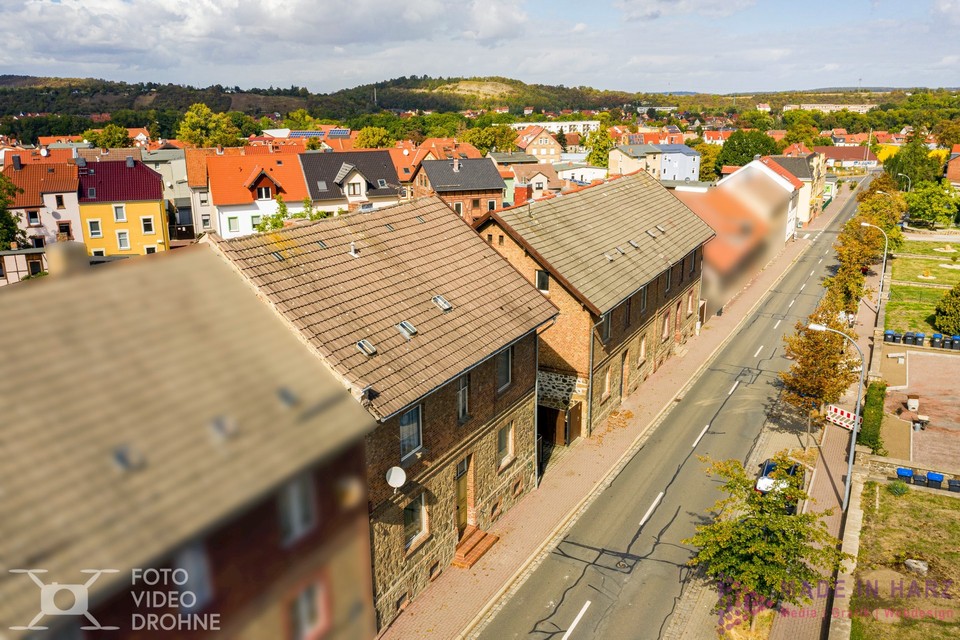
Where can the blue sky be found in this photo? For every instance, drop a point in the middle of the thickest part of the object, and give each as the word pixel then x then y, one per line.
pixel 721 46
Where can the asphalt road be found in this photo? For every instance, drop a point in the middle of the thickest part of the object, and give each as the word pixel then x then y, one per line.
pixel 618 573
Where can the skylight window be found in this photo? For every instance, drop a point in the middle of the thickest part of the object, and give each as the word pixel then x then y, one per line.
pixel 224 427
pixel 407 329
pixel 651 233
pixel 323 245
pixel 661 229
pixel 382 183
pixel 127 458
pixel 390 227
pixel 420 219
pixel 633 243
pixel 366 347
pixel 443 303
pixel 321 185
pixel 277 255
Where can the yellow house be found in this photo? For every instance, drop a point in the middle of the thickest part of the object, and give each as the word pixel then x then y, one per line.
pixel 122 208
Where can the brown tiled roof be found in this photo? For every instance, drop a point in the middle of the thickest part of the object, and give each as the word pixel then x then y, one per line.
pixel 407 255
pixel 526 172
pixel 577 236
pixel 109 155
pixel 67 505
pixel 37 179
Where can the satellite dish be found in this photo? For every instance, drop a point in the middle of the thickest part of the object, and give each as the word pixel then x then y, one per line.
pixel 44 152
pixel 406 152
pixel 396 477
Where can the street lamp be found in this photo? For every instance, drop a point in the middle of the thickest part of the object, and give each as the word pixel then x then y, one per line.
pixel 883 270
pixel 909 181
pixel 853 429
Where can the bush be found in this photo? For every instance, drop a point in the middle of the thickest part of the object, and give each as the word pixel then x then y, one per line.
pixel 898 487
pixel 947 319
pixel 869 434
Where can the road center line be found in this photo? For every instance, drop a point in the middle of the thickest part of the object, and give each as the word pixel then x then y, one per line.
pixel 758 351
pixel 811 272
pixel 649 512
pixel 802 286
pixel 576 621
pixel 778 324
pixel 820 260
pixel 791 303
pixel 733 388
pixel 700 437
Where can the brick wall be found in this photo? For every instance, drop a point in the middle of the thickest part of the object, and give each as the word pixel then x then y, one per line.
pixel 473 204
pixel 399 572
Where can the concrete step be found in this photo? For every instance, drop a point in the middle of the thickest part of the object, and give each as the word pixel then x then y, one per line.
pixel 472 547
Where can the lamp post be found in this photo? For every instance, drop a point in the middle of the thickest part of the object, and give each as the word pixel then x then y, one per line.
pixel 909 182
pixel 883 270
pixel 853 429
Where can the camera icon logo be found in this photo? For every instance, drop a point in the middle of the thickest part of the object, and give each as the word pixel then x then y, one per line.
pixel 58 599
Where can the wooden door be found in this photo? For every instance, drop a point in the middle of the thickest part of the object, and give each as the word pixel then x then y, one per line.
pixel 574 426
pixel 463 468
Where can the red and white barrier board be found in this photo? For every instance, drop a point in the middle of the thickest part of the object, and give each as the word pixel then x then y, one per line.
pixel 842 417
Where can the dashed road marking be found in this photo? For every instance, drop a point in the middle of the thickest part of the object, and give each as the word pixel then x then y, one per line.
pixel 700 437
pixel 733 388
pixel 653 506
pixel 758 351
pixel 778 324
pixel 791 303
pixel 576 621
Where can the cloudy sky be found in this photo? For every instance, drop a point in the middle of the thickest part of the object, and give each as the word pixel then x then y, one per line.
pixel 719 46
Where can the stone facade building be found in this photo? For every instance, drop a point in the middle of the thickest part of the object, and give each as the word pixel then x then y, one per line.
pixel 437 337
pixel 469 186
pixel 621 261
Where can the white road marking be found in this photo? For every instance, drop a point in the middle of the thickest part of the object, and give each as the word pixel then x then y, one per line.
pixel 811 271
pixel 826 252
pixel 791 303
pixel 576 621
pixel 649 512
pixel 758 351
pixel 820 260
pixel 806 236
pixel 778 324
pixel 733 388
pixel 700 437
pixel 802 286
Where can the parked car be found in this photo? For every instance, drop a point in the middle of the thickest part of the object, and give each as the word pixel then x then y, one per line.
pixel 767 483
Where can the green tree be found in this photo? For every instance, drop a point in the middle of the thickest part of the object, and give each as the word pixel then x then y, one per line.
pixel 486 139
pixel 741 147
pixel 309 213
pixel 600 145
pixel 300 120
pixel 757 553
pixel 562 141
pixel 708 161
pixel 313 144
pixel 10 231
pixel 373 138
pixel 757 120
pixel 947 318
pixel 913 160
pixel 202 127
pixel 948 132
pixel 275 220
pixel 933 203
pixel 821 370
pixel 111 136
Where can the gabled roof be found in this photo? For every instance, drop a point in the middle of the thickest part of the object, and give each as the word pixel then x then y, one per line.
pixel 197 163
pixel 473 174
pixel 797 149
pixel 513 157
pixel 798 167
pixel 116 182
pixel 331 169
pixel 73 500
pixel 38 179
pixel 678 148
pixel 781 171
pixel 584 238
pixel 739 230
pixel 525 173
pixel 109 155
pixel 230 175
pixel 638 150
pixel 39 156
pixel 406 255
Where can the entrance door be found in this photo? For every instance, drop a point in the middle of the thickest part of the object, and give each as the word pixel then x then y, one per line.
pixel 574 422
pixel 462 501
pixel 551 425
pixel 624 372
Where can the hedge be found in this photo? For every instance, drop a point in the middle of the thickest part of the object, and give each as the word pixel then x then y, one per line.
pixel 869 434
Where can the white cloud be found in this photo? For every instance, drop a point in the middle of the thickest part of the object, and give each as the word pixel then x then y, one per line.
pixel 947 11
pixel 652 9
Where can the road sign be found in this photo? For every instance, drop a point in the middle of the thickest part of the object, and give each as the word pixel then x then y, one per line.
pixel 842 417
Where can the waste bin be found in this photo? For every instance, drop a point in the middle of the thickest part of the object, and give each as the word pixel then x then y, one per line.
pixel 936 341
pixel 888 335
pixel 954 485
pixel 919 339
pixel 920 479
pixel 908 338
pixel 898 338
pixel 904 474
pixel 934 480
pixel 947 342
pixel 956 343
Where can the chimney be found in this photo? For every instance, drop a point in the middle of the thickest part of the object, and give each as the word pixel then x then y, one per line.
pixel 353 250
pixel 756 156
pixel 17 164
pixel 129 162
pixel 456 164
pixel 81 162
pixel 66 258
pixel 521 194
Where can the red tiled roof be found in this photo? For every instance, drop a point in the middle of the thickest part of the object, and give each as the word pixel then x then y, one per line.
pixel 196 160
pixel 777 134
pixel 797 149
pixel 228 174
pixel 727 169
pixel 37 179
pixel 739 230
pixel 116 182
pixel 40 156
pixel 783 173
pixel 846 153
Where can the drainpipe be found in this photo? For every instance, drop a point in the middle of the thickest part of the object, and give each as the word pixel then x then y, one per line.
pixel 590 380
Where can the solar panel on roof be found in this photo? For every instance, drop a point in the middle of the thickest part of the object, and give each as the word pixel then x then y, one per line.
pixel 339 133
pixel 306 134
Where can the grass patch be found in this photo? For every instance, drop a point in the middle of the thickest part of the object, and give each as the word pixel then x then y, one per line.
pixel 926 248
pixel 916 525
pixel 910 270
pixel 912 308
pixel 869 434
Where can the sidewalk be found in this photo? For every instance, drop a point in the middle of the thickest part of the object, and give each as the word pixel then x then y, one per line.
pixel 459 600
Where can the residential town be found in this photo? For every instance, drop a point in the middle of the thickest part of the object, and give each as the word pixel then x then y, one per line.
pixel 343 386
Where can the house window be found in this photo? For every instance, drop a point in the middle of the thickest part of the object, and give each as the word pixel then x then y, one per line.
pixel 64 229
pixel 91 192
pixel 353 188
pixel 463 397
pixel 500 241
pixel 33 218
pixel 1 268
pixel 411 435
pixel 643 351
pixel 119 213
pixel 543 281
pixel 123 240
pixel 204 197
pixel 149 250
pixel 693 261
pixel 476 203
pixel 99 253
pixel 504 445
pixel 689 303
pixel 504 368
pixel 205 221
pixel 666 327
pixel 643 299
pixel 414 521
pixel 309 613
pixel 264 193
pixel 255 220
pixel 669 273
pixel 605 327
pixel 298 508
pixel 147 223
pixel 233 225
pixel 490 238
pixel 458 208
pixel 59 199
pixel 627 312
pixel 37 241
pixel 34 266
pixel 491 205
pixel 192 559
pixel 538 186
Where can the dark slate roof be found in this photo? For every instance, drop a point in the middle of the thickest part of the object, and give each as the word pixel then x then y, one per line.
pixel 325 167
pixel 403 256
pixel 677 148
pixel 475 174
pixel 797 166
pixel 114 181
pixel 585 237
pixel 513 157
pixel 638 150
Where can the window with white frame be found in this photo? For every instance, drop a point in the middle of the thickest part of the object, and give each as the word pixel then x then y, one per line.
pixel 543 281
pixel 504 445
pixel 33 218
pixel 414 521
pixel 204 197
pixel 233 224
pixel 643 299
pixel 458 208
pixel 95 231
pixel 264 193
pixel 193 560
pixel 255 220
pixel 99 253
pixel 123 240
pixel 297 505
pixel 147 223
pixel 353 189
pixel 309 612
pixel 205 221
pixel 463 397
pixel 119 213
pixel 491 205
pixel 504 368
pixel 411 432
